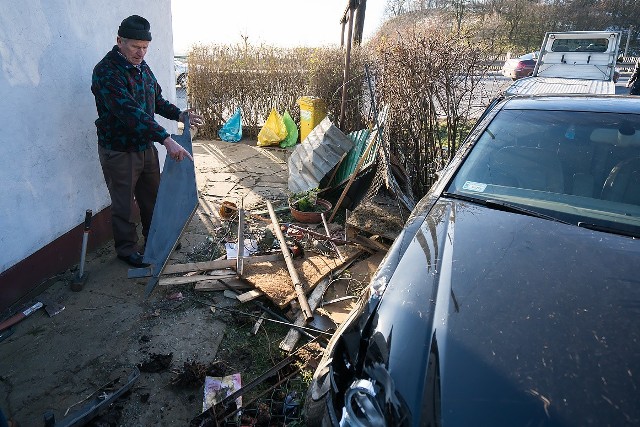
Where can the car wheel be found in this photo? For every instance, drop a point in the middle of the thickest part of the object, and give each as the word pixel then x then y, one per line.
pixel 315 411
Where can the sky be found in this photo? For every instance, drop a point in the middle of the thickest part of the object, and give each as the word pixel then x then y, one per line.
pixel 283 23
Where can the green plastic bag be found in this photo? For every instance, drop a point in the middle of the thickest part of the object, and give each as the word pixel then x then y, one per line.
pixel 273 130
pixel 292 131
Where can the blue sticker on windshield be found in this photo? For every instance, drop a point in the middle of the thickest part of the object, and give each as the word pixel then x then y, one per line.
pixel 474 186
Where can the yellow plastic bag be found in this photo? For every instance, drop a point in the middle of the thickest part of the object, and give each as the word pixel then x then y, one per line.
pixel 273 131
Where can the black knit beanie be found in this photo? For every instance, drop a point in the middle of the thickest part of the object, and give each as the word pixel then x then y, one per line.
pixel 135 27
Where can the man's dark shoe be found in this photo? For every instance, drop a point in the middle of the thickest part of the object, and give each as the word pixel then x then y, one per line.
pixel 134 260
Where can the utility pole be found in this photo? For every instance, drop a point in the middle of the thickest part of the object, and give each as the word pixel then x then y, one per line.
pixel 626 48
pixel 351 8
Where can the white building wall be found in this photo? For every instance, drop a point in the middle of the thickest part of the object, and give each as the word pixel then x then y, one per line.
pixel 49 168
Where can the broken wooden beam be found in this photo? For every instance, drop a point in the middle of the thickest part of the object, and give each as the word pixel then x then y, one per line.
pixel 216 285
pixel 135 273
pixel 297 284
pixel 183 280
pixel 250 295
pixel 289 342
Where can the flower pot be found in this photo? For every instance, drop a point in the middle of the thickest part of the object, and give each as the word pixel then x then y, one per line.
pixel 311 217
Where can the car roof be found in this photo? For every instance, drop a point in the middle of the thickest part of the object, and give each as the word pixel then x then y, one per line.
pixel 592 103
pixel 532 55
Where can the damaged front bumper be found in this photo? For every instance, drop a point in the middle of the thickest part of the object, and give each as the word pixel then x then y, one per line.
pixel 352 381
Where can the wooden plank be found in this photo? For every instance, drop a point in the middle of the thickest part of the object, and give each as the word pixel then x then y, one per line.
pixel 183 280
pixel 218 264
pixel 199 266
pixel 256 327
pixel 370 243
pixel 251 295
pixel 215 285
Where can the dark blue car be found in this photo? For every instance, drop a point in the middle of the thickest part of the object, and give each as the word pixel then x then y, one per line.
pixel 512 297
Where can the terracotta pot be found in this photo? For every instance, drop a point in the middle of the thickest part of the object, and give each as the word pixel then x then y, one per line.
pixel 311 217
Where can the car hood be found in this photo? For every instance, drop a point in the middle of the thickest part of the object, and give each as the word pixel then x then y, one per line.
pixel 496 318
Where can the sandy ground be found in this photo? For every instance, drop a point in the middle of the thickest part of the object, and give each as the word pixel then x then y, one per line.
pixel 107 329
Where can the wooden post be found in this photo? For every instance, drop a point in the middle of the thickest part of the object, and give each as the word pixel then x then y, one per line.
pixel 302 298
pixel 347 64
pixel 240 245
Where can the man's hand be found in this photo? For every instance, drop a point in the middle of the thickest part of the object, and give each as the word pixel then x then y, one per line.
pixel 194 118
pixel 175 150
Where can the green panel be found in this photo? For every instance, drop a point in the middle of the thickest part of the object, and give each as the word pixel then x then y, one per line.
pixel 350 162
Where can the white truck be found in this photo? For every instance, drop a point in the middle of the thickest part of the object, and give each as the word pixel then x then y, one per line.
pixel 572 62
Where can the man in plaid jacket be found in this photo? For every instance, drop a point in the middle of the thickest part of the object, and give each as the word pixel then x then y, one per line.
pixel 127 98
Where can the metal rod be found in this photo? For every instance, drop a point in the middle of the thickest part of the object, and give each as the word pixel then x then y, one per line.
pixel 304 328
pixel 326 228
pixel 264 308
pixel 315 234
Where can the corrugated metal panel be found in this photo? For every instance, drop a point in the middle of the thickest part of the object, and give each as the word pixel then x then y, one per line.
pixel 316 156
pixel 547 85
pixel 361 139
pixel 349 163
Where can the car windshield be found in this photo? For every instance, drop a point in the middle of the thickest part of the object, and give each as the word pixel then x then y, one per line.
pixel 578 167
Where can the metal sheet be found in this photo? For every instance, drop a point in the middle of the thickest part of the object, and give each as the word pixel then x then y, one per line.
pixel 175 205
pixel 316 156
pixel 361 140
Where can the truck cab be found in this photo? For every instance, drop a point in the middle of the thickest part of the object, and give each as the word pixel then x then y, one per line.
pixel 573 62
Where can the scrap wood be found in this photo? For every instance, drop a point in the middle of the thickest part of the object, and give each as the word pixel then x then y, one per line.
pixel 370 243
pixel 342 296
pixel 289 342
pixel 199 266
pixel 272 277
pixel 266 309
pixel 219 285
pixel 259 322
pixel 295 279
pixel 135 273
pixel 250 295
pixel 183 280
pixel 303 329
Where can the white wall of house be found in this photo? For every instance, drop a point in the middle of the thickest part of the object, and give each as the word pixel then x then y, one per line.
pixel 49 168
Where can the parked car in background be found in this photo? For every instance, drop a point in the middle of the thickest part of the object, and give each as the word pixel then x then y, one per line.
pixel 512 297
pixel 181 70
pixel 517 68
